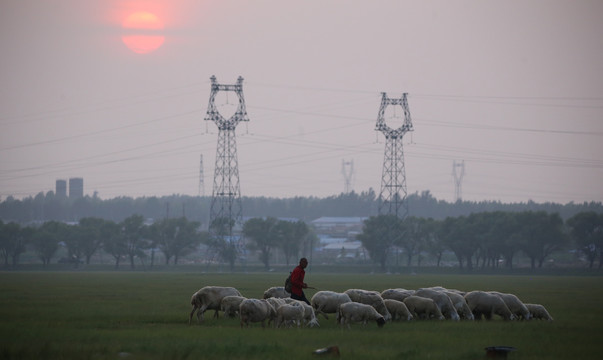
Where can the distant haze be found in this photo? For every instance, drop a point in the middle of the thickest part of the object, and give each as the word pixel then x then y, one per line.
pixel 513 88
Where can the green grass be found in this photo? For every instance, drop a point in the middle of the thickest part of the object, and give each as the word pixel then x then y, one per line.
pixel 144 315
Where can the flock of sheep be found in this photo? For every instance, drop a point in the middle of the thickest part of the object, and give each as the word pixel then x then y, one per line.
pixel 362 306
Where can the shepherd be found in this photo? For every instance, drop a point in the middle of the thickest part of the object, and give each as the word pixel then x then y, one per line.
pixel 297 281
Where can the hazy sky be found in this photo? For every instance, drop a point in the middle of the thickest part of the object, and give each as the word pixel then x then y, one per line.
pixel 513 88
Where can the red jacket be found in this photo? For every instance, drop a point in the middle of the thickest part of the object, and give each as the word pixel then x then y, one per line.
pixel 297 280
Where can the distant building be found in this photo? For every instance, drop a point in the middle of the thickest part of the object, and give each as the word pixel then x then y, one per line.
pixel 61 188
pixel 76 188
pixel 343 227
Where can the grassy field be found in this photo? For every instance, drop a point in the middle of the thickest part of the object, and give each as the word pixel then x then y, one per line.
pixel 144 315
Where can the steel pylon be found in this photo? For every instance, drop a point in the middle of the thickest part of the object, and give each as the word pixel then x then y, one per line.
pixel 393 181
pixel 226 193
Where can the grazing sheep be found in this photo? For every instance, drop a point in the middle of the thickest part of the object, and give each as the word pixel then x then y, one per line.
pixel 276 302
pixel 398 310
pixel 327 302
pixel 436 288
pixel 276 292
pixel 230 305
pixel 357 312
pixel 290 313
pixel 371 298
pixel 460 305
pixel 538 311
pixel 309 316
pixel 514 304
pixel 423 308
pixel 396 294
pixel 442 300
pixel 209 298
pixel 483 303
pixel 256 310
pixel 441 288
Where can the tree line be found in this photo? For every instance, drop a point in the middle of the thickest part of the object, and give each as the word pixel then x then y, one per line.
pixel 477 240
pixel 483 239
pixel 132 239
pixel 126 240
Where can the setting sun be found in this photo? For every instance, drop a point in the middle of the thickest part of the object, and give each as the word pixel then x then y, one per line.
pixel 142 32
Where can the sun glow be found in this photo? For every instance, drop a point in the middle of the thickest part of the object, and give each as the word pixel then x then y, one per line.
pixel 143 32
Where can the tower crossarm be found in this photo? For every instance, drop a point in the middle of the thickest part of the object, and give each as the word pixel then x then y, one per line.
pixel 213 114
pixel 381 124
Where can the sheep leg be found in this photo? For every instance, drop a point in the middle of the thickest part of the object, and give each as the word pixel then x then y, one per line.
pixel 190 317
pixel 200 313
pixel 319 310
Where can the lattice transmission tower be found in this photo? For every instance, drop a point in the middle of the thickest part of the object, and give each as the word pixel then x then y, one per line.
pixel 226 195
pixel 347 170
pixel 458 178
pixel 393 181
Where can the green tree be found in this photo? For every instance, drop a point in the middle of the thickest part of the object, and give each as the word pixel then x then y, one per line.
pixel 91 239
pixel 133 230
pixel 222 241
pixel 433 243
pixel 175 237
pixel 458 235
pixel 487 239
pixel 46 240
pixel 378 236
pixel 540 235
pixel 504 234
pixel 114 241
pixel 75 236
pixel 586 229
pixel 413 239
pixel 13 241
pixel 261 233
pixel 291 237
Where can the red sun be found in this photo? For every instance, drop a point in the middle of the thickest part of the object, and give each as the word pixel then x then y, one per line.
pixel 143 32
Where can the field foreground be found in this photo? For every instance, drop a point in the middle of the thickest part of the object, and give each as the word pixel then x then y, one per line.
pixel 144 315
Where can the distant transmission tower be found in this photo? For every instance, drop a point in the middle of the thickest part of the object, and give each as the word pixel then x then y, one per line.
pixel 201 178
pixel 393 180
pixel 458 178
pixel 347 170
pixel 226 196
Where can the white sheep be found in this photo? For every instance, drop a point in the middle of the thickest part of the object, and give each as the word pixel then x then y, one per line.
pixel 516 306
pixel 372 298
pixel 441 288
pixel 423 308
pixel 486 304
pixel 397 309
pixel 327 302
pixel 209 298
pixel 442 300
pixel 256 310
pixel 309 315
pixel 277 292
pixel 230 305
pixel 538 311
pixel 460 304
pixel 436 288
pixel 276 302
pixel 397 294
pixel 357 312
pixel 290 313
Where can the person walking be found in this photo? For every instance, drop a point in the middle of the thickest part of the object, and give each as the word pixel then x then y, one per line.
pixel 297 281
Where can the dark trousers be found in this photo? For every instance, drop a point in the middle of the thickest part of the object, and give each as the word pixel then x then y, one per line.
pixel 300 298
